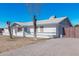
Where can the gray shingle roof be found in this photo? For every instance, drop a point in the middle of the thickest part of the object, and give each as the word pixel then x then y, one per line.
pixel 51 20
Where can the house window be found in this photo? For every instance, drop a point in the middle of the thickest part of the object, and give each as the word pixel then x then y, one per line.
pixel 19 29
pixel 26 29
pixel 41 28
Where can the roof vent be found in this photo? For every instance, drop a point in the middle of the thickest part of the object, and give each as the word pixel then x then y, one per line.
pixel 52 18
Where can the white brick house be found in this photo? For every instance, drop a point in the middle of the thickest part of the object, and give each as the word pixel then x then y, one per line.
pixel 49 28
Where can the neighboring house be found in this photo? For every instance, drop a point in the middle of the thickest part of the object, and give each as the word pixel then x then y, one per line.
pixel 49 28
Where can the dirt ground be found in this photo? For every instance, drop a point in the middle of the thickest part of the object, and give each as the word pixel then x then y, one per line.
pixel 8 44
pixel 51 47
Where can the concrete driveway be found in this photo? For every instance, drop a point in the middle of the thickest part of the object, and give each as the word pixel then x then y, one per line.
pixel 52 47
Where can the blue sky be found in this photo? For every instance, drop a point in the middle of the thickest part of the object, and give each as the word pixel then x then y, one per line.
pixel 19 12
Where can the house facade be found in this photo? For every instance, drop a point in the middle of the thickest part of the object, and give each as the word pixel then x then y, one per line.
pixel 49 28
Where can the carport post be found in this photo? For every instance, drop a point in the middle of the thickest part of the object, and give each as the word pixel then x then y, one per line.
pixel 23 32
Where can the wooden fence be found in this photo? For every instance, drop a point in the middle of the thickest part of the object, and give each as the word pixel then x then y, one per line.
pixel 72 32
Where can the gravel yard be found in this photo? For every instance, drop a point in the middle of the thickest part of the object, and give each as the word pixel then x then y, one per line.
pixel 51 47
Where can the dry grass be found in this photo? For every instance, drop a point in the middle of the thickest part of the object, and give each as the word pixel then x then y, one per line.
pixel 7 44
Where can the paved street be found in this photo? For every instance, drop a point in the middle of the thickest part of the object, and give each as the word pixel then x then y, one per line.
pixel 52 47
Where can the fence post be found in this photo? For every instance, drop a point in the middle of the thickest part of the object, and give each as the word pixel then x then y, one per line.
pixel 69 32
pixel 74 32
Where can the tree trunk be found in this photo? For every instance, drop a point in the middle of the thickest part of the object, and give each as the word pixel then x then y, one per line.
pixel 34 22
pixel 9 28
pixel 10 33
